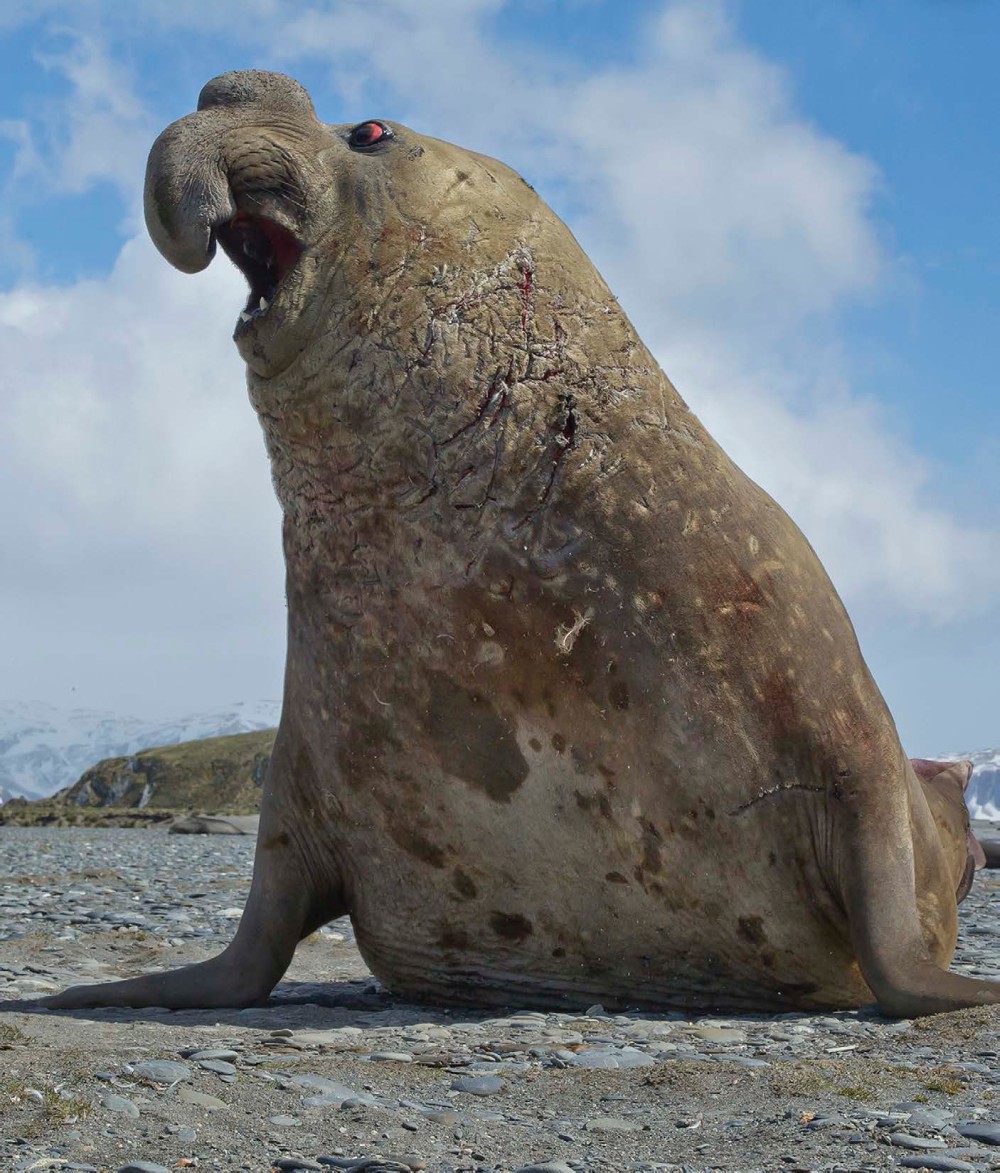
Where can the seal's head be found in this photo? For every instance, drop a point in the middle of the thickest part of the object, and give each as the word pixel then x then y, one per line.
pixel 306 210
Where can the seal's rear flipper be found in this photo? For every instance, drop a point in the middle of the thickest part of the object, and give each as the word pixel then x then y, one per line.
pixel 893 955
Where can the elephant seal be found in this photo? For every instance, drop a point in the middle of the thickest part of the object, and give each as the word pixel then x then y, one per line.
pixel 572 712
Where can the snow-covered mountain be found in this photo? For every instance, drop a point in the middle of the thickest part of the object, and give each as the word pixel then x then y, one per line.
pixel 43 749
pixel 983 795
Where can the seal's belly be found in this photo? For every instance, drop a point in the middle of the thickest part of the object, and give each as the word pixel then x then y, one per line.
pixel 558 898
pixel 529 819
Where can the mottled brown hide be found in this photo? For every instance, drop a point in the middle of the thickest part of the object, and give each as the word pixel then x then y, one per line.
pixel 572 712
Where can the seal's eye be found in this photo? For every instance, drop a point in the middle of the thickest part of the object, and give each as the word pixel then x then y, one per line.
pixel 368 134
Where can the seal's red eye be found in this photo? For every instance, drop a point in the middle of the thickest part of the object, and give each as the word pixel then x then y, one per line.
pixel 367 134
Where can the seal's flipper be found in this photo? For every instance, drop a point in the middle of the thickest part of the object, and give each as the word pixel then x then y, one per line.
pixel 893 951
pixel 283 907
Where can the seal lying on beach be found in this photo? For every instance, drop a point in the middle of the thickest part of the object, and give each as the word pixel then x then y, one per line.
pixel 572 712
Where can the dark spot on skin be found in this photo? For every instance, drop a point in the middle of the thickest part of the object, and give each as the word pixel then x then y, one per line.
pixel 615 878
pixel 473 741
pixel 359 754
pixel 802 757
pixel 767 958
pixel 772 858
pixel 652 861
pixel 452 938
pixel 751 928
pixel 559 951
pixel 607 773
pixel 511 926
pixel 535 744
pixel 618 695
pixel 461 176
pixel 584 801
pixel 279 840
pixel 604 803
pixel 417 845
pixel 712 910
pixel 709 813
pixel 463 885
pixel 558 742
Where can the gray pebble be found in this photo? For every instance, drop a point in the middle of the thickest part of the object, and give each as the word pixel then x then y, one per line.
pixel 478 1085
pixel 905 1141
pixel 143 1167
pixel 120 1104
pixel 162 1071
pixel 719 1034
pixel 936 1162
pixel 828 1122
pixel 295 1163
pixel 372 1164
pixel 219 1066
pixel 285 1121
pixel 611 1058
pixel 330 1091
pixel 985 1131
pixel 547 1167
pixel 188 1095
pixel 448 1119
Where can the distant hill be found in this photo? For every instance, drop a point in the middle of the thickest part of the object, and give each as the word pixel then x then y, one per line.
pixel 215 775
pixel 44 749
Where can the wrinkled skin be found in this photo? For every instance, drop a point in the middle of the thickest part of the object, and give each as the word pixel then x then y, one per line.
pixel 572 712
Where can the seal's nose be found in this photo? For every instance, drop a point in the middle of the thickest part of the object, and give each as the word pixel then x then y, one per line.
pixel 255 87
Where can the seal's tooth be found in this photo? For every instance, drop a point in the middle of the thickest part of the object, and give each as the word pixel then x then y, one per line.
pixel 244 316
pixel 264 303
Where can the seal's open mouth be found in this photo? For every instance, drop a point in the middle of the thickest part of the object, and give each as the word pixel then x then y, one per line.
pixel 264 252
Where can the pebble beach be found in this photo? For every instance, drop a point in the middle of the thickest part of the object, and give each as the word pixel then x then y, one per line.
pixel 335 1073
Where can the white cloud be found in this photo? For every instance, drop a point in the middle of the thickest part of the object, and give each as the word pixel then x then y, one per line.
pixel 102 134
pixel 99 133
pixel 712 199
pixel 862 497
pixel 140 529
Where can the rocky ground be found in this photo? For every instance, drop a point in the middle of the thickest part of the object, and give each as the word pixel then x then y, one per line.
pixel 335 1074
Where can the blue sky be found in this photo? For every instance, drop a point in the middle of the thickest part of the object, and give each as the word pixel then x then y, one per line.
pixel 795 202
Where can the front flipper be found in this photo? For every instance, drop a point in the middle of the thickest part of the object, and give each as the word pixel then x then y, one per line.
pixel 282 908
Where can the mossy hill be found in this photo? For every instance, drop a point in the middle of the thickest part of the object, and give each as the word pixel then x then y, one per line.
pixel 219 775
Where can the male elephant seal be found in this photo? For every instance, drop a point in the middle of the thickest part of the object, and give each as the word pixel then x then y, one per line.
pixel 572 712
